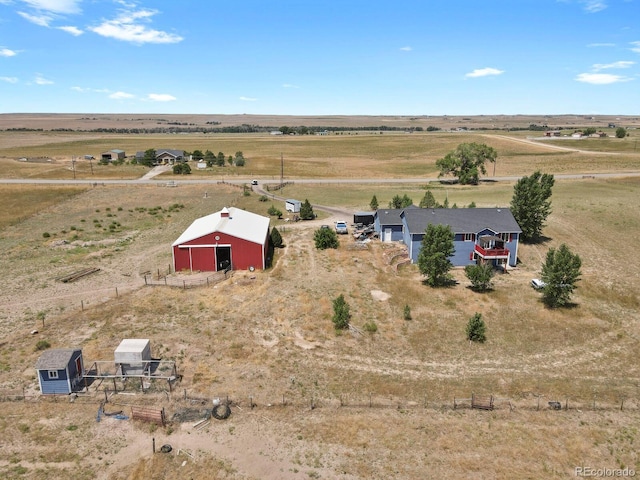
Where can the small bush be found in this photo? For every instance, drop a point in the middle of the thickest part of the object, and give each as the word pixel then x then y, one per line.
pixel 46 234
pixel 407 312
pixel 476 329
pixel 42 345
pixel 370 327
pixel 263 198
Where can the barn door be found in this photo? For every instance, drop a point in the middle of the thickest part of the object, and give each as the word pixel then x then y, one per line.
pixel 223 258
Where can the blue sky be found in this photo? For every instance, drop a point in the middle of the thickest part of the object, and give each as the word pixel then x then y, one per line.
pixel 330 57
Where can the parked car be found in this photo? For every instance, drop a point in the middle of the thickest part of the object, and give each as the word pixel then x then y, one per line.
pixel 341 227
pixel 537 284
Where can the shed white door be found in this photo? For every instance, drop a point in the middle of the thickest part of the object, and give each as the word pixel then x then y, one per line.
pixel 387 235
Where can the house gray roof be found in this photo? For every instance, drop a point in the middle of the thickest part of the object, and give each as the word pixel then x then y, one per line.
pixel 391 216
pixel 461 220
pixel 56 359
pixel 174 153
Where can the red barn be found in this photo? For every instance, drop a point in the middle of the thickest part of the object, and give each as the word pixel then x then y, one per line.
pixel 229 238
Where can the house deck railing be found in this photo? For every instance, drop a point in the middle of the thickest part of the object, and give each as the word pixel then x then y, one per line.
pixel 492 252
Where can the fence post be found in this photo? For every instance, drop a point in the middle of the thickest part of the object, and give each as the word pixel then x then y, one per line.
pixel 117 291
pixel 145 279
pixel 82 305
pixel 370 400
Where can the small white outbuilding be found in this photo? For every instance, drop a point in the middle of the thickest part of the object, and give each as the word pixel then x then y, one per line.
pixel 133 356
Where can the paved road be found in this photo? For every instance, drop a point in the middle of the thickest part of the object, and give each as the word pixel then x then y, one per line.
pixel 240 181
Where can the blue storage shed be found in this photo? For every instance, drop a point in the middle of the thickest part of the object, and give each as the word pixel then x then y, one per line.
pixel 60 371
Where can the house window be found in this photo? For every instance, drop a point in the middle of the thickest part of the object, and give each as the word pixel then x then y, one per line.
pixel 469 237
pixel 505 237
pixel 53 374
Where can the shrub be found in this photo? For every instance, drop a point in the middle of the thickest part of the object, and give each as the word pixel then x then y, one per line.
pixel 341 313
pixel 370 327
pixel 407 312
pixel 46 234
pixel 274 212
pixel 325 238
pixel 42 345
pixel 476 329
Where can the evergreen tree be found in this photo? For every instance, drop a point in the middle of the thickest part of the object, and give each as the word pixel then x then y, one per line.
pixel 433 258
pixel 341 315
pixel 476 329
pixel 373 204
pixel 400 202
pixel 276 238
pixel 306 211
pixel 530 204
pixel 428 201
pixel 325 238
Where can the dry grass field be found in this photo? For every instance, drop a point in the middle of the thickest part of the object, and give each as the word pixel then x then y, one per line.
pixel 355 405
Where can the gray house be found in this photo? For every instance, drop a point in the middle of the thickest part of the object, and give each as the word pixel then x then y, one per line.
pixel 60 371
pixel 165 156
pixel 480 234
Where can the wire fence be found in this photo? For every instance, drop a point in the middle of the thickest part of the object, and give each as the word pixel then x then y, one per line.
pixel 178 400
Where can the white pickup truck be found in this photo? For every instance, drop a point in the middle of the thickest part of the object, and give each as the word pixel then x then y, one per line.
pixel 341 227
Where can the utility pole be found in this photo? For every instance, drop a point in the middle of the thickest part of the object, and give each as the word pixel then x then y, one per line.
pixel 281 171
pixel 73 166
pixel 91 164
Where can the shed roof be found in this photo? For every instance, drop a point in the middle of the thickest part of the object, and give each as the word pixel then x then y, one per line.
pixel 56 359
pixel 391 216
pixel 132 345
pixel 240 224
pixel 462 220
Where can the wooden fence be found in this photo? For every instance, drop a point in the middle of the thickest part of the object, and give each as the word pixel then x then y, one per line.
pixel 150 415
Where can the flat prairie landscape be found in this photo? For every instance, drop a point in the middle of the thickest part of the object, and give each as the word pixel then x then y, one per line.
pixel 309 402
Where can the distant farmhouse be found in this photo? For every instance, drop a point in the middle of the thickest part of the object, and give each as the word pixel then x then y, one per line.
pixel 480 234
pixel 165 156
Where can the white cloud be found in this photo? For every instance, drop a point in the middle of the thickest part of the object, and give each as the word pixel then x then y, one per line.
pixel 289 85
pixel 121 95
pixel 55 6
pixel 604 66
pixel 484 72
pixel 594 6
pixel 89 90
pixel 601 78
pixel 248 99
pixel 161 97
pixel 592 45
pixel 42 20
pixel 635 47
pixel 40 80
pixel 9 79
pixel 406 49
pixel 5 52
pixel 75 31
pixel 128 27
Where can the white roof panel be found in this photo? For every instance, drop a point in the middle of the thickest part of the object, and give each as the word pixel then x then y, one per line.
pixel 240 223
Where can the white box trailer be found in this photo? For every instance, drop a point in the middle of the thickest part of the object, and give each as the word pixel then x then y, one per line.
pixel 293 206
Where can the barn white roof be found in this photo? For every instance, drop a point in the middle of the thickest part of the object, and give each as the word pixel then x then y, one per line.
pixel 240 224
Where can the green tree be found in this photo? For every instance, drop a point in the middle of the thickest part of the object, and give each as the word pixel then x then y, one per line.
pixel 589 131
pixel 210 158
pixel 428 201
pixel 480 276
pixel 325 238
pixel 239 159
pixel 197 155
pixel 433 258
pixel 621 132
pixel 560 273
pixel 181 169
pixel 373 204
pixel 230 160
pixel 530 204
pixel 149 157
pixel 306 211
pixel 400 202
pixel 467 162
pixel 220 159
pixel 476 329
pixel 276 238
pixel 341 314
pixel 274 212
